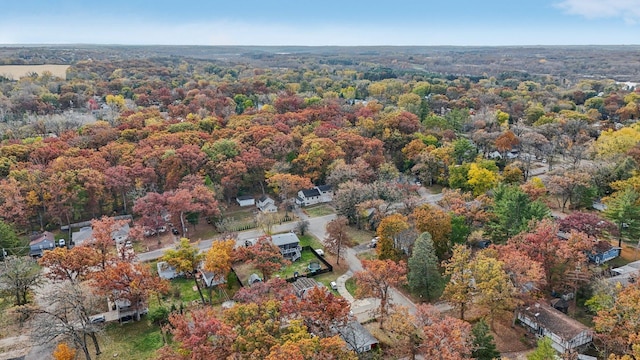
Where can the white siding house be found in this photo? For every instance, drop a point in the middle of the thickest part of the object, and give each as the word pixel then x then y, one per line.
pixel 246 200
pixel 566 334
pixel 319 194
pixel 266 204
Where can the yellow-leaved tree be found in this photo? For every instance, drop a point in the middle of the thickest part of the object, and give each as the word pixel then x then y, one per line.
pixel 613 143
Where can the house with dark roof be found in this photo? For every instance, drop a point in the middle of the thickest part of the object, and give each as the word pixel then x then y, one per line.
pixel 289 245
pixel 316 195
pixel 357 337
pixel 41 242
pixel 566 334
pixel 245 200
pixel 266 204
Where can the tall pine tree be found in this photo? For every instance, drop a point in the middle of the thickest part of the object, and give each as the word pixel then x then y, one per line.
pixel 483 344
pixel 424 277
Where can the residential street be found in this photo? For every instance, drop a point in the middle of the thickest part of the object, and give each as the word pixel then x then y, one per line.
pixel 363 309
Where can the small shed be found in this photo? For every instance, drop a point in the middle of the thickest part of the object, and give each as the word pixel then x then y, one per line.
pixel 304 284
pixel 246 200
pixel 254 278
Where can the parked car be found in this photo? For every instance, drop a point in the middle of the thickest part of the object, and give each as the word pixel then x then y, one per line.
pixel 62 243
pixel 98 319
pixel 374 242
pixel 149 232
pixel 162 229
pixel 175 231
pixel 334 285
pixel 320 252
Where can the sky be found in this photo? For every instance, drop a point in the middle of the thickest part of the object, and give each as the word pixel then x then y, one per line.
pixel 321 22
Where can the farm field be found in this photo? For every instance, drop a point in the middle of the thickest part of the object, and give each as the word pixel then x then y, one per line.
pixel 15 72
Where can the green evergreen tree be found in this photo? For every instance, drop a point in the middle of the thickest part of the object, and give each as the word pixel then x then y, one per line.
pixel 544 351
pixel 623 209
pixel 513 211
pixel 483 344
pixel 424 277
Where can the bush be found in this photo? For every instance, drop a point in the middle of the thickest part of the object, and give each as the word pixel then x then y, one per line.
pixel 159 315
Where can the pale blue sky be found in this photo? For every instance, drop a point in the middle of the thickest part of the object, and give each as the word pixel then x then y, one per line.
pixel 322 22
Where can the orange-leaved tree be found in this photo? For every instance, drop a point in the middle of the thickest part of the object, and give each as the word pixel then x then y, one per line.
pixel 64 352
pixel 378 279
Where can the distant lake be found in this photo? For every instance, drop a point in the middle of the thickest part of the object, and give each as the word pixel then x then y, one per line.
pixel 15 72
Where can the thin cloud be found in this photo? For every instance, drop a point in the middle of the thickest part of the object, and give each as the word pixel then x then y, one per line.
pixel 628 10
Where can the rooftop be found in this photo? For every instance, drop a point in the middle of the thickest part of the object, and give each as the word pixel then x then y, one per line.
pixel 310 192
pixel 284 239
pixel 555 321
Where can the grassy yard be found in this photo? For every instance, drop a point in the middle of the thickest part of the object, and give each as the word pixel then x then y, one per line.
pixel 360 236
pixel 133 341
pixel 310 240
pixel 350 284
pixel 319 210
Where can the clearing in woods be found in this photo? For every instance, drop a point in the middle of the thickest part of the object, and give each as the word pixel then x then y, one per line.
pixel 15 72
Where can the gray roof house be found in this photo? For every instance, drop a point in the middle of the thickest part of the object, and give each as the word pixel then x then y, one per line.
pixel 266 204
pixel 357 337
pixel 566 334
pixel 41 242
pixel 85 234
pixel 289 245
pixel 304 284
pixel 210 279
pixel 166 271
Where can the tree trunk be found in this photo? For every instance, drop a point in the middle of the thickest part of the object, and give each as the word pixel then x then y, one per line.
pixel 184 229
pixel 195 278
pixel 83 345
pixel 462 311
pixel 124 201
pixel 95 343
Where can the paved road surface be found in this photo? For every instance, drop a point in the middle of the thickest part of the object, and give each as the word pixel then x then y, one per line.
pixel 362 308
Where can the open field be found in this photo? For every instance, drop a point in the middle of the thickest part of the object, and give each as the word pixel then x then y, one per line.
pixel 15 72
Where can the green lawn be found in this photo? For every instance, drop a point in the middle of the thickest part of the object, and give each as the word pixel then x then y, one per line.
pixel 300 266
pixel 132 341
pixel 350 284
pixel 310 240
pixel 319 210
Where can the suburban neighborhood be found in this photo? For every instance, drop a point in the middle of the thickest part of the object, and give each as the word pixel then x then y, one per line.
pixel 334 204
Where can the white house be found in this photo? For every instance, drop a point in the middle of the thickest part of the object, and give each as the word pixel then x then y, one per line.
pixel 266 204
pixel 566 334
pixel 246 200
pixel 319 194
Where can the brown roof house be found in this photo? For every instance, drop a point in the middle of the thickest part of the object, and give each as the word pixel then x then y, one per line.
pixel 566 334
